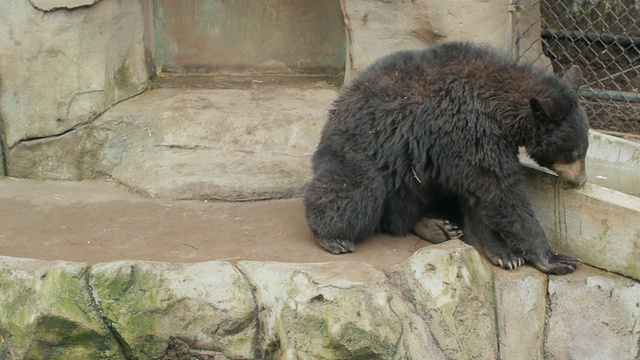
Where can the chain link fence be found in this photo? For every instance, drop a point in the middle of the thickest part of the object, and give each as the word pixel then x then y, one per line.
pixel 602 37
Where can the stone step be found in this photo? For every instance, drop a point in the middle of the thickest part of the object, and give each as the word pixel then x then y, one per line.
pixel 228 138
pixel 216 174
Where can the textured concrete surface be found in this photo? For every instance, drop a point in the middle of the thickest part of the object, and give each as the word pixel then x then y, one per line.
pixel 452 286
pixel 606 326
pixel 438 304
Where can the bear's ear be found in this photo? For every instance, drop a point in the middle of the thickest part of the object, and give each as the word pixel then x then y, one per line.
pixel 573 77
pixel 541 107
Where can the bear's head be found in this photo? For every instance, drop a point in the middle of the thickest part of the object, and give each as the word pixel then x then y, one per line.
pixel 561 138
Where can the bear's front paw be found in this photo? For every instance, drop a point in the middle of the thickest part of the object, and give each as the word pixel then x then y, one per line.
pixel 337 246
pixel 554 263
pixel 505 259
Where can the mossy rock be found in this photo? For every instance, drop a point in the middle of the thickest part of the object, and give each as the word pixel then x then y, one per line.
pixel 48 312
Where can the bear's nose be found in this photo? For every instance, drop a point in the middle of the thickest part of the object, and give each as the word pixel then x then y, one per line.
pixel 580 180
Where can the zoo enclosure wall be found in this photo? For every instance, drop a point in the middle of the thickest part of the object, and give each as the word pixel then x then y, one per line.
pixel 310 38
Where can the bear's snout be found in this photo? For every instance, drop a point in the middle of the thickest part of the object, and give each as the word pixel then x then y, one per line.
pixel 573 174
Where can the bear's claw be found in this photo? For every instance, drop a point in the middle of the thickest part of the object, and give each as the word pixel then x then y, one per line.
pixel 506 260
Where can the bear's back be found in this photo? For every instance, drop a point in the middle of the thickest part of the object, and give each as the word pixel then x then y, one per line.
pixel 407 83
pixel 416 75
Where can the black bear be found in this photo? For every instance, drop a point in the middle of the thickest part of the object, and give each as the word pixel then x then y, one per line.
pixel 433 134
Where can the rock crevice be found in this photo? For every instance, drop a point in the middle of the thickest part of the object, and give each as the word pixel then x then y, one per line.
pixel 52 5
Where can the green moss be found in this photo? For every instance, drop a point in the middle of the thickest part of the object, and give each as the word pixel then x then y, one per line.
pixel 130 298
pixel 110 286
pixel 18 299
pixel 123 76
pixel 362 344
pixel 348 324
pixel 59 338
pixel 48 314
pixel 304 331
pixel 632 267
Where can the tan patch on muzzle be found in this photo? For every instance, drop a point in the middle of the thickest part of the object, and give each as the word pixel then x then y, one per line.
pixel 573 173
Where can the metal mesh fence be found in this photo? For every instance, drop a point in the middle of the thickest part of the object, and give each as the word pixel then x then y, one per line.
pixel 602 37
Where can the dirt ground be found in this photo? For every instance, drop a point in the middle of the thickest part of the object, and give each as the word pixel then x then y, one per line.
pixel 98 222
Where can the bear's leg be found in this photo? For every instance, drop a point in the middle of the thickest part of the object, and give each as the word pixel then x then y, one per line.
pixel 402 210
pixel 488 242
pixel 436 230
pixel 343 205
pixel 508 212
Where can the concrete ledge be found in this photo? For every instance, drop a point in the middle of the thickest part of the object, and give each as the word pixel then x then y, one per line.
pixel 444 302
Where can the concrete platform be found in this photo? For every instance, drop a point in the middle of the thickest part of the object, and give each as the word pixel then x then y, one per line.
pixel 96 222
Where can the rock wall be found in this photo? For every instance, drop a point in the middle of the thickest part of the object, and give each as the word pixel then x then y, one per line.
pixel 63 63
pixel 375 28
pixel 444 302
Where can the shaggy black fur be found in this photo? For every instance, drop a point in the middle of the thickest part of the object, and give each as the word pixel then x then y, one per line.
pixel 435 134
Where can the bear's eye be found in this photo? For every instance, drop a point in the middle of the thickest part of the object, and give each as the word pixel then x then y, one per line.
pixel 575 156
pixel 569 157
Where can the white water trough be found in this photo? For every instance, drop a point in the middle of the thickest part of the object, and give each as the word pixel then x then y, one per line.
pixel 600 223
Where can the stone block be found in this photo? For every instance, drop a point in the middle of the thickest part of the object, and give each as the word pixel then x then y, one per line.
pixel 250 142
pixel 521 304
pixel 341 310
pixel 451 286
pixel 593 314
pixel 157 308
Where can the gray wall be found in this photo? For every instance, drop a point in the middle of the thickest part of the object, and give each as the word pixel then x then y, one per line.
pixel 262 36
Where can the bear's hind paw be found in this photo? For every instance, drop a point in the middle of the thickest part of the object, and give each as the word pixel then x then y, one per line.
pixel 436 230
pixel 337 246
